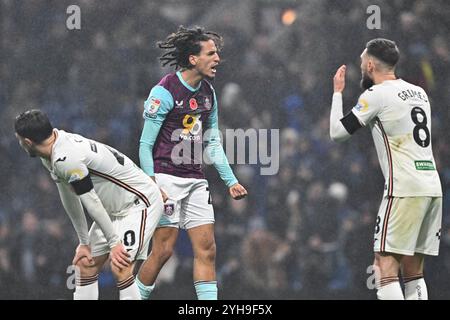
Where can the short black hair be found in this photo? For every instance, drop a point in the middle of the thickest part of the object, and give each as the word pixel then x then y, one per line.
pixel 186 42
pixel 384 50
pixel 34 125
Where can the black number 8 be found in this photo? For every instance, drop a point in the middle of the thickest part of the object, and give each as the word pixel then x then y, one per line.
pixel 420 125
pixel 377 225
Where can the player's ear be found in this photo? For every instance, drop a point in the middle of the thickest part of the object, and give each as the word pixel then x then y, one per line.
pixel 193 60
pixel 23 141
pixel 27 142
pixel 370 65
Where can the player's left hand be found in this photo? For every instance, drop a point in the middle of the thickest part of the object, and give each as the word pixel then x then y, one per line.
pixel 83 252
pixel 339 79
pixel 237 191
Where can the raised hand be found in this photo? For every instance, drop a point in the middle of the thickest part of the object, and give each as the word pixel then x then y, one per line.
pixel 339 79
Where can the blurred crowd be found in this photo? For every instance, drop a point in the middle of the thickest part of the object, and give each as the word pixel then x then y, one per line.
pixel 305 233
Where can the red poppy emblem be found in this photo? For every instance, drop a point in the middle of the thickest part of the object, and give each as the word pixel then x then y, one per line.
pixel 193 104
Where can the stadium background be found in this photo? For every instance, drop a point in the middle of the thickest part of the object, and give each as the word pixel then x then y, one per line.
pixel 305 233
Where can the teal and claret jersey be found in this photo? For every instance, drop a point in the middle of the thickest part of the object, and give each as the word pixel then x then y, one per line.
pixel 176 118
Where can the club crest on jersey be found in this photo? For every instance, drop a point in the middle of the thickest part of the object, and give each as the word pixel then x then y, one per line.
pixel 207 103
pixel 153 105
pixel 362 105
pixel 169 209
pixel 193 104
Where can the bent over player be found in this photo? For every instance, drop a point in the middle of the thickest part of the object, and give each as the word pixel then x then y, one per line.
pixel 409 219
pixel 124 203
pixel 180 116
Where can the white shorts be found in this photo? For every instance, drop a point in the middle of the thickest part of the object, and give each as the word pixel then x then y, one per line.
pixel 189 204
pixel 135 229
pixel 409 225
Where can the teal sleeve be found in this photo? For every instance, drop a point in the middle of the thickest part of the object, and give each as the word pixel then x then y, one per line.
pixel 156 108
pixel 214 148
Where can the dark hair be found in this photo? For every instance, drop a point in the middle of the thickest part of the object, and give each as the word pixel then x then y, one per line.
pixel 186 42
pixel 384 50
pixel 34 125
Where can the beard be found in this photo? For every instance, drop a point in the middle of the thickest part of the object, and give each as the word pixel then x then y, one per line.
pixel 32 154
pixel 365 82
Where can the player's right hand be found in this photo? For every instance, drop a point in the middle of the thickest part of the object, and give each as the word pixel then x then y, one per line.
pixel 120 258
pixel 339 79
pixel 237 191
pixel 83 252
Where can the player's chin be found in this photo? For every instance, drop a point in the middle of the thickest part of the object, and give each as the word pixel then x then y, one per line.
pixel 211 74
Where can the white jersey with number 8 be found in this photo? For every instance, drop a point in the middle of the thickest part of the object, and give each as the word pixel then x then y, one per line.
pixel 399 116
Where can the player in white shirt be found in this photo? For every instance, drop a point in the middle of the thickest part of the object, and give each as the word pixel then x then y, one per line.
pixel 398 114
pixel 124 203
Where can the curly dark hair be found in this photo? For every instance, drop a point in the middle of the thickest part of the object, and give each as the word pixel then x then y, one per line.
pixel 186 42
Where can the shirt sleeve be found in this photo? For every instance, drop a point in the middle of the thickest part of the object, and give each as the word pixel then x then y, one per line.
pixel 214 148
pixel 96 210
pixel 74 210
pixel 368 107
pixel 72 170
pixel 338 131
pixel 156 108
